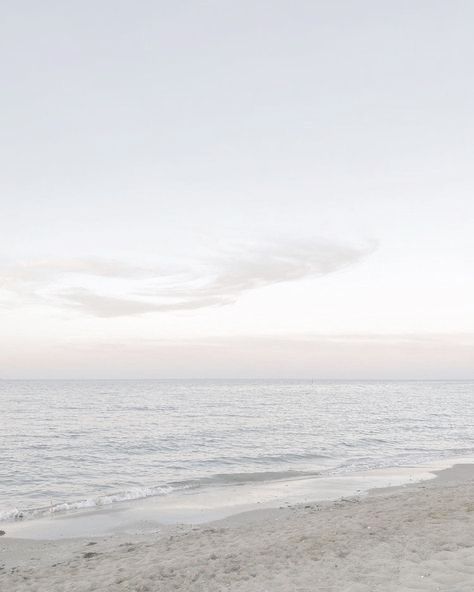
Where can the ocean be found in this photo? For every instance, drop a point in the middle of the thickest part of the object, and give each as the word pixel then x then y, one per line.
pixel 77 444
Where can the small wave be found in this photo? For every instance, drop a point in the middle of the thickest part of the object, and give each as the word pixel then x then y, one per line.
pixel 264 459
pixel 137 493
pixel 257 477
pixel 95 502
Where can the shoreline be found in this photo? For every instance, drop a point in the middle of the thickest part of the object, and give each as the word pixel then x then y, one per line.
pixel 208 504
pixel 355 544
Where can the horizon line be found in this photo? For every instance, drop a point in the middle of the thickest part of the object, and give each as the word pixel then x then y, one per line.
pixel 169 379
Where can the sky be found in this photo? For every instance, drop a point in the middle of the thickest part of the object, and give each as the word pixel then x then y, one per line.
pixel 237 189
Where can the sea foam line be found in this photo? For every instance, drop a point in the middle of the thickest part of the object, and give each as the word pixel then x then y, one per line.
pixel 95 502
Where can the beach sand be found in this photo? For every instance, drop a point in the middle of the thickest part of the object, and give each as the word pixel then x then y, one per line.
pixel 419 537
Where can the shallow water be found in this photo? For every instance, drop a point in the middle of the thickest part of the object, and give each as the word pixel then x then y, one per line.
pixel 69 444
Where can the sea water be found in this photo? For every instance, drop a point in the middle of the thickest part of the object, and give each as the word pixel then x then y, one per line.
pixel 78 444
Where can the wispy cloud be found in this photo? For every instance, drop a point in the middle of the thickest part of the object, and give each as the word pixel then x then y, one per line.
pixel 111 306
pixel 274 263
pixel 126 290
pixel 45 270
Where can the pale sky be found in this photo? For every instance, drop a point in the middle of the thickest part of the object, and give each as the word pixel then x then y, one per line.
pixel 237 189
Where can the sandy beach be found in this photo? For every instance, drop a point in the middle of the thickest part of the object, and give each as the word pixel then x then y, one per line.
pixel 417 537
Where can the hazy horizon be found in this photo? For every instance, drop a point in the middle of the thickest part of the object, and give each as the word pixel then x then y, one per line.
pixel 243 379
pixel 213 190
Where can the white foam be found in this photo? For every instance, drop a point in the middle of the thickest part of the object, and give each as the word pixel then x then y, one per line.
pixel 95 502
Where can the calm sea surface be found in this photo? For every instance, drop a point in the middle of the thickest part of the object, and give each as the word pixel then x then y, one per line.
pixel 70 444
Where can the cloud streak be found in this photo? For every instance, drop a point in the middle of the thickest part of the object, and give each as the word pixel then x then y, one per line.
pixel 46 270
pixel 127 290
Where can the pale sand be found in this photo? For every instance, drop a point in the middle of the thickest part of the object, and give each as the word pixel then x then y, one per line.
pixel 415 538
